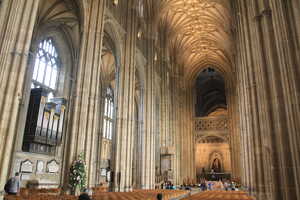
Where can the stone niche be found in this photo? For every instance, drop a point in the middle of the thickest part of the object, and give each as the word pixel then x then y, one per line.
pixel 206 153
pixel 167 154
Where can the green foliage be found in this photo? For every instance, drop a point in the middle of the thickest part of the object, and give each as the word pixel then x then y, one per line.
pixel 77 178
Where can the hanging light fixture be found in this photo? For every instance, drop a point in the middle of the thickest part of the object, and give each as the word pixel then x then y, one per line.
pixel 139 35
pixel 115 2
pixel 155 57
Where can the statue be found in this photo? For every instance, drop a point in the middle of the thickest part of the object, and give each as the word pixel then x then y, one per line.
pixel 216 166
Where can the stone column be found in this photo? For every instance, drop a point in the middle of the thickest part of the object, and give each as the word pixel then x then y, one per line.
pixel 164 101
pixel 84 134
pixel 268 94
pixel 233 126
pixel 17 21
pixel 148 139
pixel 253 107
pixel 123 140
pixel 176 115
pixel 243 98
pixel 285 71
pixel 187 136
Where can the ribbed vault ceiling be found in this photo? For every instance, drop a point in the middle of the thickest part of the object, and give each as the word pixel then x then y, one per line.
pixel 198 31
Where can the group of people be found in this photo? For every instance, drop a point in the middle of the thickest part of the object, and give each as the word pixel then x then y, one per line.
pixel 168 185
pixel 217 185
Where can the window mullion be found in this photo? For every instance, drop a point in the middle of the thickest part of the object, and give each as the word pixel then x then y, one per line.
pixel 45 71
pixel 38 67
pixel 108 113
pixel 106 128
pixel 107 116
pixel 50 81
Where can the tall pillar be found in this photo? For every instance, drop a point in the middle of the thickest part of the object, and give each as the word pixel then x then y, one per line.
pixel 176 119
pixel 84 134
pixel 285 93
pixel 267 71
pixel 123 140
pixel 244 98
pixel 17 21
pixel 253 87
pixel 187 136
pixel 235 140
pixel 149 132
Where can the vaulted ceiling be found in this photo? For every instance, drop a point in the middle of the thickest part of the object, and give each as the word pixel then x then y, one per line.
pixel 198 32
pixel 60 14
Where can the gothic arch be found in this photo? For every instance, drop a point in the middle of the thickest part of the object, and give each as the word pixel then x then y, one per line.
pixel 65 16
pixel 192 75
pixel 113 31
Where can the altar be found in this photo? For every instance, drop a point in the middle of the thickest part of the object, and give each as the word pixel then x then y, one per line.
pixel 212 176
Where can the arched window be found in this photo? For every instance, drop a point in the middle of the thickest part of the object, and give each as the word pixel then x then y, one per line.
pixel 46 67
pixel 108 114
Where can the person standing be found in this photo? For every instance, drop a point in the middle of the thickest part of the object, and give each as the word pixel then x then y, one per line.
pixel 159 196
pixel 84 196
pixel 12 186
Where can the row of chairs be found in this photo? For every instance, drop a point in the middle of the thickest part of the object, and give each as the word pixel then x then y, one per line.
pixel 100 189
pixel 140 195
pixel 167 194
pixel 134 195
pixel 220 195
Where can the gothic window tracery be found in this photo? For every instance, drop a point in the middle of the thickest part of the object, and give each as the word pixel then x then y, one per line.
pixel 46 67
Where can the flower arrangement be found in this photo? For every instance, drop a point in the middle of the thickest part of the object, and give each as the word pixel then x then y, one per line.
pixel 77 178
